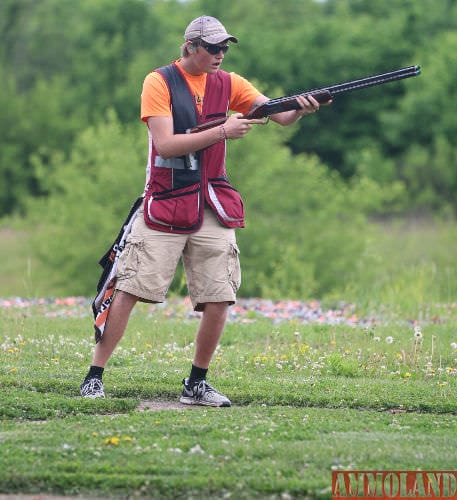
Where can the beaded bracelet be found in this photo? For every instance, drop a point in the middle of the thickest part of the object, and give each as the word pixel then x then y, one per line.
pixel 223 133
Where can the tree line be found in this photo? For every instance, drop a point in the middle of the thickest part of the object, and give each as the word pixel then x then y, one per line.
pixel 70 136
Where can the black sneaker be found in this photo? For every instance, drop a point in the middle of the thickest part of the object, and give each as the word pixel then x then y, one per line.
pixel 92 388
pixel 201 393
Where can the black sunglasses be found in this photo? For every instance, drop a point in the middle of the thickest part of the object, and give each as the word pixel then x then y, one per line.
pixel 215 49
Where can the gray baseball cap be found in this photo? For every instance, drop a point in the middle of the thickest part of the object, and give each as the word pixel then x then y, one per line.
pixel 208 29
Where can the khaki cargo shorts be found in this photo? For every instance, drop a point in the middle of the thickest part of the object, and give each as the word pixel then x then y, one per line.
pixel 210 257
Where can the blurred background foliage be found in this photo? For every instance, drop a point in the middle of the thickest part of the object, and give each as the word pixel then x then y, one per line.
pixel 73 151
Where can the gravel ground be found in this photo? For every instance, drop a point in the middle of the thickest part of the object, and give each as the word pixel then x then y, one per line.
pixel 244 311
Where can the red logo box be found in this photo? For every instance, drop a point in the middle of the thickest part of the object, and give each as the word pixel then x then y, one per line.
pixel 403 485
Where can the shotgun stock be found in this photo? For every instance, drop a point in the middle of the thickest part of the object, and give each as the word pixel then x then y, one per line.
pixel 322 95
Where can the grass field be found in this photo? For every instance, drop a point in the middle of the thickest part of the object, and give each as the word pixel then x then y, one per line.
pixel 371 386
pixel 307 399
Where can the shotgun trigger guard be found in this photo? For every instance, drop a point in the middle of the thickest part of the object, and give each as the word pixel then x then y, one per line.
pixel 265 121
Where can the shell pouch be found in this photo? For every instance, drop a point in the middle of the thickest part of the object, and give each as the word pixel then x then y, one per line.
pixel 177 209
pixel 226 199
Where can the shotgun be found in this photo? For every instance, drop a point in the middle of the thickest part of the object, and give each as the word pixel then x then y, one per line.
pixel 322 95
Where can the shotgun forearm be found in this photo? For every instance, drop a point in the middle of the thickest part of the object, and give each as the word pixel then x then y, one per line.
pixel 322 95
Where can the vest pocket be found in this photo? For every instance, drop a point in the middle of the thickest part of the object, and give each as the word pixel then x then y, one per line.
pixel 226 200
pixel 173 209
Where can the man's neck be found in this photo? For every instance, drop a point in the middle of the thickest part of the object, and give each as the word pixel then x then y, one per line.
pixel 186 64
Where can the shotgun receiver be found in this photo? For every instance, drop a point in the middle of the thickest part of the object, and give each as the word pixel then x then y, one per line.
pixel 322 95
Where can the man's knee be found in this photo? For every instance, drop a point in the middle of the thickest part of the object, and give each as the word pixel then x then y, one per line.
pixel 124 300
pixel 214 308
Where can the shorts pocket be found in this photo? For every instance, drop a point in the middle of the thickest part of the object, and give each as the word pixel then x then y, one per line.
pixel 129 260
pixel 177 209
pixel 234 270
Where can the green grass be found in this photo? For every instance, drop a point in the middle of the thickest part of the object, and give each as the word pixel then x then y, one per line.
pixel 408 267
pixel 15 263
pixel 308 399
pixel 247 451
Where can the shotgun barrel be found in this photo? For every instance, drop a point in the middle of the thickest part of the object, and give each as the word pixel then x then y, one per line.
pixel 322 95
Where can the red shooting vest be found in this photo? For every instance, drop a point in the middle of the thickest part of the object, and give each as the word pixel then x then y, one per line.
pixel 178 188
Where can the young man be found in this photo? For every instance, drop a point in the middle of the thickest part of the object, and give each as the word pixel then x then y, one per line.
pixel 190 210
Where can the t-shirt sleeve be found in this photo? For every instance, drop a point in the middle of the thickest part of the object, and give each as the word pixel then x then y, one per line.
pixel 243 94
pixel 155 97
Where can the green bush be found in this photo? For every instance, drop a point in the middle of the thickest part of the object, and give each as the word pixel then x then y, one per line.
pixel 90 196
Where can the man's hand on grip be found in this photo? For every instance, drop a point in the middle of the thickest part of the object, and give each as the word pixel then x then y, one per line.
pixel 237 127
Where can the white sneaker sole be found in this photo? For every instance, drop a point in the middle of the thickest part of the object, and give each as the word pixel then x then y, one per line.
pixel 191 401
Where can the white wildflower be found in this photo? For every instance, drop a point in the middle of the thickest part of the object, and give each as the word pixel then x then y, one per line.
pixel 389 340
pixel 197 449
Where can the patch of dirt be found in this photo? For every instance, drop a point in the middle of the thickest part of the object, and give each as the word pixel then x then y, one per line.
pixel 163 405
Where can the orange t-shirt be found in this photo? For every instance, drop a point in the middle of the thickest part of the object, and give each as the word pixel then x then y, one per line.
pixel 155 97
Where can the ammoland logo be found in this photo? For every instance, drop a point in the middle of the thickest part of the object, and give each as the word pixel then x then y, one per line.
pixel 401 485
